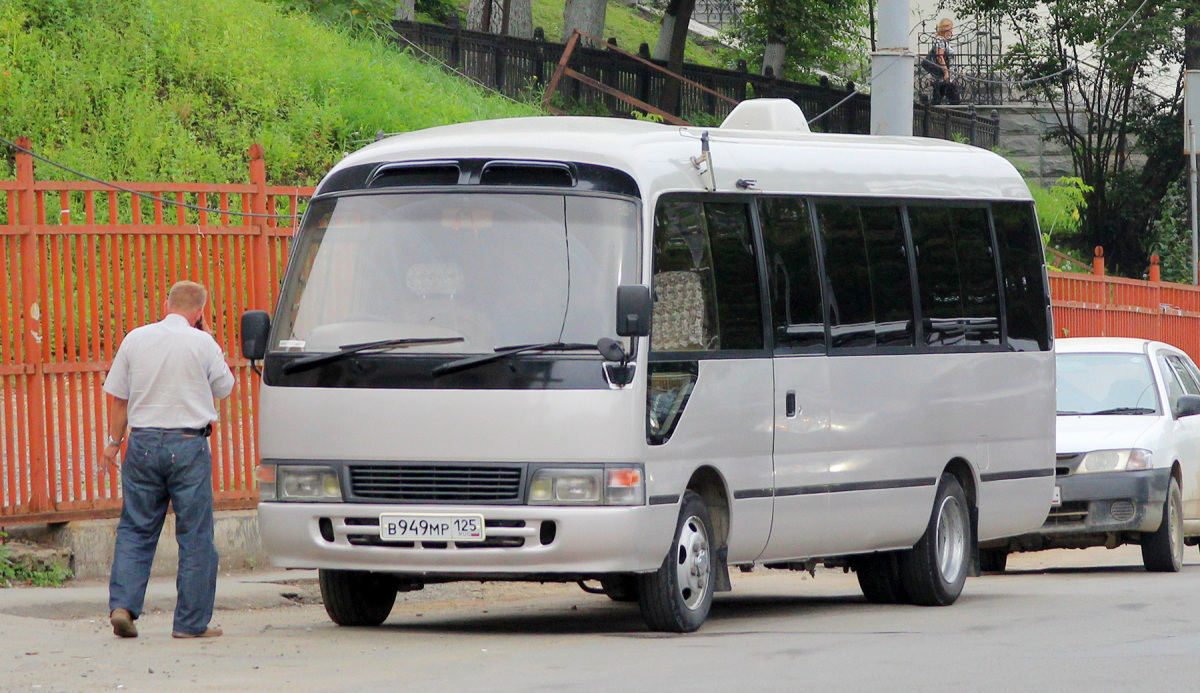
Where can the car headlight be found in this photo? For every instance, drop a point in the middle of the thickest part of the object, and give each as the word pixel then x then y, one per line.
pixel 1115 461
pixel 296 482
pixel 588 486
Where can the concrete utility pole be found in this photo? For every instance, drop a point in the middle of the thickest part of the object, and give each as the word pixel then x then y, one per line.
pixel 892 72
pixel 1191 121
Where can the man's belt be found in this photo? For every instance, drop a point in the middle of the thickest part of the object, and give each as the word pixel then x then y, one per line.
pixel 206 431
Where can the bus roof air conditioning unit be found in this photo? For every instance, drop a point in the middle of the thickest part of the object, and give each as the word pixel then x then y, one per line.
pixel 780 115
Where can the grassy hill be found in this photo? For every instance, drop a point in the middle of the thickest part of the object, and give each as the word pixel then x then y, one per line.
pixel 178 89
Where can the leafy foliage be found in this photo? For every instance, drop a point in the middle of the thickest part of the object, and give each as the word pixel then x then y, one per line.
pixel 819 35
pixel 1059 209
pixel 1093 62
pixel 13 572
pixel 179 89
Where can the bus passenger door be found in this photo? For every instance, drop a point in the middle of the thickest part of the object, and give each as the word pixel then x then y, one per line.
pixel 801 378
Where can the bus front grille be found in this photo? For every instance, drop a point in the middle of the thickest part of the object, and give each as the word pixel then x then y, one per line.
pixel 436 483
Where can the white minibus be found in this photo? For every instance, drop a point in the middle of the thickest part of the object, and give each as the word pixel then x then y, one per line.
pixel 633 355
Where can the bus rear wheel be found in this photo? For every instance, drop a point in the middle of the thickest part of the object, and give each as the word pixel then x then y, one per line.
pixel 357 598
pixel 676 598
pixel 935 569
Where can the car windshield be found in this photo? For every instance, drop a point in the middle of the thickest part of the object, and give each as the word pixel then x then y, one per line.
pixel 491 269
pixel 1106 384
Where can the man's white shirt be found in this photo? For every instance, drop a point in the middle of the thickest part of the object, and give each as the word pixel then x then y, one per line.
pixel 170 372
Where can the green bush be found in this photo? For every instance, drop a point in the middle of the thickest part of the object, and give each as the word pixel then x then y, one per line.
pixel 179 89
pixel 1059 210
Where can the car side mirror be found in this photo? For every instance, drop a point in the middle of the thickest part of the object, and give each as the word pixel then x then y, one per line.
pixel 634 307
pixel 1188 405
pixel 256 327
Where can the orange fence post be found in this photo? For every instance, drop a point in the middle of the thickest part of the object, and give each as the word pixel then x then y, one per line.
pixel 1155 270
pixel 261 292
pixel 31 268
pixel 1098 262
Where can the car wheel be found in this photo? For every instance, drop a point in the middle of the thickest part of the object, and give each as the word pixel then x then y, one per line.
pixel 357 598
pixel 935 569
pixel 993 560
pixel 1162 549
pixel 676 597
pixel 879 578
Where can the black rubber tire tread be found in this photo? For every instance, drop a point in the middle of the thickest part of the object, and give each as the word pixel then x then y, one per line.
pixel 879 578
pixel 356 598
pixel 1158 555
pixel 993 560
pixel 658 594
pixel 620 588
pixel 919 566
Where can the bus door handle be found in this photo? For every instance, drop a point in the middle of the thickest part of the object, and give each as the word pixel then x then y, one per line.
pixel 789 404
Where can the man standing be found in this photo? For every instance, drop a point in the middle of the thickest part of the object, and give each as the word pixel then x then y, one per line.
pixel 162 384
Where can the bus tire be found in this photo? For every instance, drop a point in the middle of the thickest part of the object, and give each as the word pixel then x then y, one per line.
pixel 1162 549
pixel 879 578
pixel 935 569
pixel 357 598
pixel 676 598
pixel 993 560
pixel 620 588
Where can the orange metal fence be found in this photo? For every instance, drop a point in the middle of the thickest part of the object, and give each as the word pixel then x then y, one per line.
pixel 81 264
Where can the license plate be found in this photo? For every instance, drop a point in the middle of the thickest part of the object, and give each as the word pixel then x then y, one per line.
pixel 406 527
pixel 1056 500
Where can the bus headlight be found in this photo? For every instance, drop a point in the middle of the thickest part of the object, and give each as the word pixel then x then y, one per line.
pixel 587 486
pixel 294 482
pixel 1115 461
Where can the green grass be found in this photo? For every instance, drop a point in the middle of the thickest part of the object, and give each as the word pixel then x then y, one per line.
pixel 179 89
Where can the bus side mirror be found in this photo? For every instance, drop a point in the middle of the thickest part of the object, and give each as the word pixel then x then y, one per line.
pixel 256 326
pixel 634 307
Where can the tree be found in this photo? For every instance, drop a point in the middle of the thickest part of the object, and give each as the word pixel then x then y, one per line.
pixel 672 40
pixel 1094 63
pixel 800 40
pixel 507 17
pixel 585 15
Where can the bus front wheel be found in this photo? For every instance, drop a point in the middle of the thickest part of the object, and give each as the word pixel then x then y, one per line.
pixel 357 598
pixel 676 598
pixel 935 569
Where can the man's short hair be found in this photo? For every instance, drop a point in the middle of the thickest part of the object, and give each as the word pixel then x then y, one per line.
pixel 187 296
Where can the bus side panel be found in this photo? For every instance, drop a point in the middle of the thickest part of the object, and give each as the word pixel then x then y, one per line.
pixel 726 425
pixel 898 421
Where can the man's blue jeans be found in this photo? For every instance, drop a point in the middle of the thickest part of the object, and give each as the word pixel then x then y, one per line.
pixel 164 465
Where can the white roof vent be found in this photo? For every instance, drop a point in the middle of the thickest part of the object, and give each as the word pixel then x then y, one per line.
pixel 781 115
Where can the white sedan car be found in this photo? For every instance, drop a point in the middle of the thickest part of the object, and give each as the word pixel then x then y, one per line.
pixel 1128 468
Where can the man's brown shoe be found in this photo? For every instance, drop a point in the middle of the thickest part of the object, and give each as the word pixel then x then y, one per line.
pixel 122 623
pixel 210 633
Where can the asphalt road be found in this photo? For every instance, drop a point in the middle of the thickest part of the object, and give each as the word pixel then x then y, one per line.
pixel 1063 621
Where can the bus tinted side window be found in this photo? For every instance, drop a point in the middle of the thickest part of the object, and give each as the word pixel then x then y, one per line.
pixel 706 290
pixel 956 274
pixel 1026 302
pixel 795 281
pixel 870 301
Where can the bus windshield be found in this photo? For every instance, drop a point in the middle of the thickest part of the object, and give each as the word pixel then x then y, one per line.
pixel 493 269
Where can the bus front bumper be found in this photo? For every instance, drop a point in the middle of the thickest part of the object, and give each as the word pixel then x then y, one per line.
pixel 522 541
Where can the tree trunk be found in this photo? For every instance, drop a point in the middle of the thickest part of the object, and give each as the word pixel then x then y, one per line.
pixel 519 17
pixel 406 10
pixel 773 57
pixel 585 15
pixel 674 34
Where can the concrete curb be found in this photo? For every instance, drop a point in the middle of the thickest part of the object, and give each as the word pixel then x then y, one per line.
pixel 90 543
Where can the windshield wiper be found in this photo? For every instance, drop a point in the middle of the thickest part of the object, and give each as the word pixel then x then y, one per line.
pixel 505 352
pixel 306 362
pixel 1121 410
pixel 1069 413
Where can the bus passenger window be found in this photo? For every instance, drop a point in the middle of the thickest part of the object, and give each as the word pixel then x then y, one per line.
pixel 1026 303
pixel 870 301
pixel 956 275
pixel 795 281
pixel 705 282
